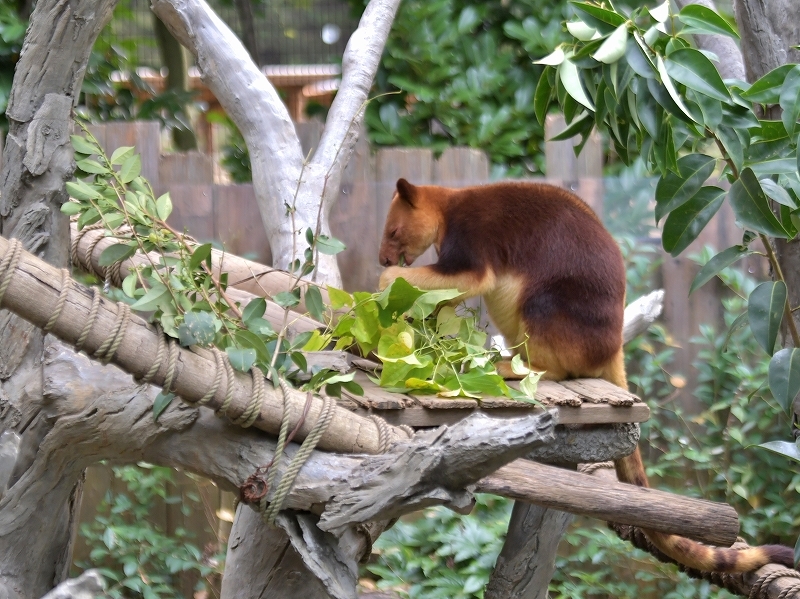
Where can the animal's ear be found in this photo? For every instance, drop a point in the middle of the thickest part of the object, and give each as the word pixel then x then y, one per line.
pixel 407 192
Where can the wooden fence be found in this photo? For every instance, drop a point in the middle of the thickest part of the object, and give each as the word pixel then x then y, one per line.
pixel 229 214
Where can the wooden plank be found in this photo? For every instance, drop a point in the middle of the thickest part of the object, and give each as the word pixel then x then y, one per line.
pixel 587 414
pixel 192 210
pixel 551 393
pixel 600 391
pixel 185 168
pixel 461 167
pixel 145 136
pixel 354 220
pixel 443 403
pixel 237 222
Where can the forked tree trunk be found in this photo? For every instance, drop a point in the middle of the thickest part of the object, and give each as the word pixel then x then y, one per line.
pixel 36 551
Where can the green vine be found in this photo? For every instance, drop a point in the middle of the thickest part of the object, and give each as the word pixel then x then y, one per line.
pixel 424 345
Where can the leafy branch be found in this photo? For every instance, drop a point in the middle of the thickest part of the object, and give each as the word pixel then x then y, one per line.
pixel 637 77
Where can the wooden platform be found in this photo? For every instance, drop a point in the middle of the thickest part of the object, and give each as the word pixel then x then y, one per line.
pixel 580 401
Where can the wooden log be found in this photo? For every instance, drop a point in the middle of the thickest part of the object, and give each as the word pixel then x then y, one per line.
pixel 33 293
pixel 577 493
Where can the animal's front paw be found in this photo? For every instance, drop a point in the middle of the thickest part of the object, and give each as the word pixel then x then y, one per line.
pixel 389 275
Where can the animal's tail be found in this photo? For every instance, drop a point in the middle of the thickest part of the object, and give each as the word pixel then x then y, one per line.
pixel 697 555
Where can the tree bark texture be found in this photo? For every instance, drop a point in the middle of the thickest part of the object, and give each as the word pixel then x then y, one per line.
pixel 293 193
pixel 37 161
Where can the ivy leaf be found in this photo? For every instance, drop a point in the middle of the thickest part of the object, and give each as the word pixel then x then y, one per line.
pixel 674 189
pixel 765 312
pixel 161 403
pixel 197 328
pixel 705 20
pixel 330 245
pixel 790 100
pixel 117 253
pixel 685 223
pixel 692 68
pixel 784 376
pixel 396 299
pixel 242 359
pixel 428 301
pixel 339 298
pixel 716 264
pixel 314 303
pixel 751 207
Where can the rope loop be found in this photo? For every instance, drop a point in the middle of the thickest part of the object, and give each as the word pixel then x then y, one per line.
pixel 8 265
pixel 760 589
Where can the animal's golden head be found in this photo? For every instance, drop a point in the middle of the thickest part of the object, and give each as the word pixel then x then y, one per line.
pixel 412 224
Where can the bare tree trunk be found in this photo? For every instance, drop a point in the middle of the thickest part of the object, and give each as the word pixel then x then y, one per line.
pixel 36 552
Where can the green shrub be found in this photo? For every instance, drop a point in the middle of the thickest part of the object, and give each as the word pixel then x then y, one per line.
pixel 135 556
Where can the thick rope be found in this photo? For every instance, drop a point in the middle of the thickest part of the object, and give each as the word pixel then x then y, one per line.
pixel 89 320
pixel 384 434
pixel 761 586
pixel 66 285
pixel 212 390
pixel 223 409
pixel 157 361
pixel 109 347
pixel 76 240
pixel 299 459
pixel 9 265
pixel 251 412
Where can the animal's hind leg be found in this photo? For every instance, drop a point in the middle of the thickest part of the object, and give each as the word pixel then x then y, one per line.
pixel 614 371
pixel 540 357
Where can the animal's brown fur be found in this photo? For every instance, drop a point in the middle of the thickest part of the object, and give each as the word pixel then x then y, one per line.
pixel 553 281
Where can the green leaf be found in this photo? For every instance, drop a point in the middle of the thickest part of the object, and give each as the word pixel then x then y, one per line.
pixel 767 90
pixel 87 165
pixel 161 403
pixel 121 154
pixel 129 284
pixel 673 189
pixel 695 71
pixel 716 264
pixel 164 206
pixel 151 300
pixel 254 309
pixel 71 208
pixel 790 100
pixel 777 166
pixel 200 254
pixel 83 145
pixel 329 245
pixel 242 359
pixel 541 99
pixel 732 144
pixel 667 82
pixel 751 207
pixel 428 301
pixel 639 59
pixel 117 253
pixel 765 312
pixel 568 73
pixel 705 20
pixel 555 58
pixel 468 20
pixel 581 126
pixel 789 450
pixel 81 191
pixel 581 31
pixel 685 223
pixel 396 299
pixel 314 302
pixel 784 376
pixel 613 48
pixel 339 298
pixel 130 169
pixel 778 193
pixel 287 299
pixel 597 16
pixel 198 328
